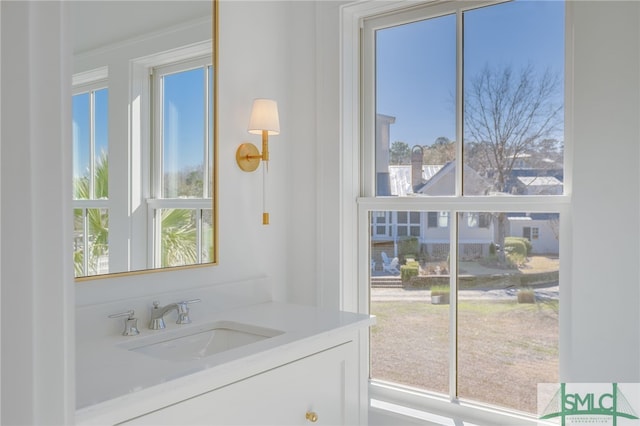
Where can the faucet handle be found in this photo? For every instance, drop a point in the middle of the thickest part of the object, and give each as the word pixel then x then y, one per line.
pixel 183 311
pixel 130 324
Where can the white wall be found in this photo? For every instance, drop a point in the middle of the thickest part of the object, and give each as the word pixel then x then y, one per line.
pixel 37 290
pixel 600 335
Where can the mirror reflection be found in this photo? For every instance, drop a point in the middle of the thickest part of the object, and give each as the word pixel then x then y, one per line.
pixel 144 126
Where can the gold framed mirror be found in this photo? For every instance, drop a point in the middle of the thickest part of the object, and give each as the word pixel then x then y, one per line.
pixel 144 111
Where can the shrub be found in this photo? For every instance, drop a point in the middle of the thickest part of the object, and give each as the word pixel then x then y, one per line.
pixel 411 269
pixel 408 247
pixel 519 245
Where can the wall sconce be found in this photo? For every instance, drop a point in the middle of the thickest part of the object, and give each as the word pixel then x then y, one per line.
pixel 264 121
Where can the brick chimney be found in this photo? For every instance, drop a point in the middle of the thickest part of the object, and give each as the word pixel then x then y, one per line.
pixel 416 167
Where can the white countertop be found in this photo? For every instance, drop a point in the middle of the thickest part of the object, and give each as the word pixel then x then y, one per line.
pixel 114 383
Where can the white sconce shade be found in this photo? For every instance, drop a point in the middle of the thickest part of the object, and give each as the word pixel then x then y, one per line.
pixel 264 116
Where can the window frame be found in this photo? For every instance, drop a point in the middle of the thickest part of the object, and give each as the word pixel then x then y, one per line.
pixel 156 200
pixel 90 82
pixel 358 167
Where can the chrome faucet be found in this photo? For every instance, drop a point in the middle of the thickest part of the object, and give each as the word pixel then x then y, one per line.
pixel 158 312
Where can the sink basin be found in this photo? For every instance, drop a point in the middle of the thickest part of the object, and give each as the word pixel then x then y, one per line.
pixel 203 341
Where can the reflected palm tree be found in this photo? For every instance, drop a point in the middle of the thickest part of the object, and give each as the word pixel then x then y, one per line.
pixel 97 219
pixel 179 242
pixel 178 227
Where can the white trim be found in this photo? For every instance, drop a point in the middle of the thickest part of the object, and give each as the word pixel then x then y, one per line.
pixel 173 29
pixel 89 77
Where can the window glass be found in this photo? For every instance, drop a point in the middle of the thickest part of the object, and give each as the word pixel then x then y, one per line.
pixel 181 203
pixel 183 134
pixel 513 99
pixel 415 105
pixel 507 336
pixel 507 311
pixel 410 341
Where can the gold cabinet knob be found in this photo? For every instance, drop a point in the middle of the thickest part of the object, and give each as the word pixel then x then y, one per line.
pixel 312 417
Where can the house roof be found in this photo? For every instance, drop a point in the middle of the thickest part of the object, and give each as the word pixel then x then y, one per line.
pixel 539 180
pixel 400 177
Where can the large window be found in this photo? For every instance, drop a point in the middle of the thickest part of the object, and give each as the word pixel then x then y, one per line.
pixel 463 130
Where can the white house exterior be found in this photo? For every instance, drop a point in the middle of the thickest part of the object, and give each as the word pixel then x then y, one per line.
pixel 542 233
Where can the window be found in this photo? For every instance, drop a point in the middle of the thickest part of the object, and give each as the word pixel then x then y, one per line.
pixel 408 224
pixel 478 220
pixel 530 233
pixel 180 206
pixel 489 119
pixel 438 219
pixel 90 179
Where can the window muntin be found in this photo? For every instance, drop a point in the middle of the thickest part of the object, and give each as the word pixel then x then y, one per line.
pixel 457 241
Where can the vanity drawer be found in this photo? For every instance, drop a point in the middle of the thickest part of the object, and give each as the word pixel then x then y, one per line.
pixel 321 388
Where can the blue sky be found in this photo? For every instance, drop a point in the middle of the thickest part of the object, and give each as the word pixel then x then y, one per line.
pixel 81 128
pixel 415 68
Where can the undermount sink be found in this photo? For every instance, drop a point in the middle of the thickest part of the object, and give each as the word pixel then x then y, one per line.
pixel 203 341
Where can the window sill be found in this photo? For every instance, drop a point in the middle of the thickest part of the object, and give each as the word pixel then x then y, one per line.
pixel 390 401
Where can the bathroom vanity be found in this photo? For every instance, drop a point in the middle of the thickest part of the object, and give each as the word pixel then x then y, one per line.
pixel 268 363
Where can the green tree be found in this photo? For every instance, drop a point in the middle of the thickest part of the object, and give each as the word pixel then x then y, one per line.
pixel 178 236
pixel 399 153
pixel 97 219
pixel 178 239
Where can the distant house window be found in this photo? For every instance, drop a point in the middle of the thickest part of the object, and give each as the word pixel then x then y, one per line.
pixel 478 220
pixel 380 224
pixel 432 219
pixel 531 233
pixel 437 219
pixel 408 224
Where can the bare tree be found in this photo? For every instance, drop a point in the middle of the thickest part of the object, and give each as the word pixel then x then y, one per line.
pixel 507 115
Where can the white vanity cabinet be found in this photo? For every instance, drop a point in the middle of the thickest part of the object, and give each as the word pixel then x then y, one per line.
pixel 313 370
pixel 321 388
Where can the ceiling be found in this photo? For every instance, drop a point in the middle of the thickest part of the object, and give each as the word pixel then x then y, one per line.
pixel 97 23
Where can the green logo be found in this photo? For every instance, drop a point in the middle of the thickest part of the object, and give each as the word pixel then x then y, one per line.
pixel 583 405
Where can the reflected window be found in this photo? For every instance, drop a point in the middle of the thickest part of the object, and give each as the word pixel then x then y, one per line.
pixel 180 206
pixel 90 179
